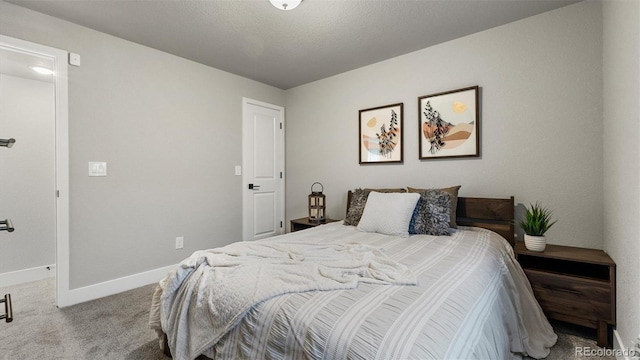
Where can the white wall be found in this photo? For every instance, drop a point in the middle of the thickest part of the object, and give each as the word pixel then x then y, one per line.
pixel 621 68
pixel 27 173
pixel 541 121
pixel 170 131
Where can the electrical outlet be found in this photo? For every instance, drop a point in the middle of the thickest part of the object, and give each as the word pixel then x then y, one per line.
pixel 179 242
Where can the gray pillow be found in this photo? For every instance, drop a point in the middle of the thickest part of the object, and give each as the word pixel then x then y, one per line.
pixel 453 192
pixel 356 207
pixel 432 213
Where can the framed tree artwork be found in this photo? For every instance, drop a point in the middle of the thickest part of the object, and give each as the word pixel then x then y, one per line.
pixel 449 125
pixel 380 134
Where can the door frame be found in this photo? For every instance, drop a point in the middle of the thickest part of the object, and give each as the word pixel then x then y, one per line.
pixel 245 151
pixel 60 58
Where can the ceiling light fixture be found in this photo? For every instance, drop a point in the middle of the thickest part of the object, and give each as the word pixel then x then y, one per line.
pixel 285 4
pixel 41 70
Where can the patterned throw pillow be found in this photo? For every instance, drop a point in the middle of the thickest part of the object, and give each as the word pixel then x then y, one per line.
pixel 356 207
pixel 432 213
pixel 453 192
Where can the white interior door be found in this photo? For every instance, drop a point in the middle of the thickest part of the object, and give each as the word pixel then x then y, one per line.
pixel 263 163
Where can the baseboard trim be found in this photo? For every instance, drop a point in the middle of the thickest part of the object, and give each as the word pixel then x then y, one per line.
pixel 115 286
pixel 27 275
pixel 619 344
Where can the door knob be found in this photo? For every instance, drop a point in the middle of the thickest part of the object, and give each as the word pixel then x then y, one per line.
pixel 254 187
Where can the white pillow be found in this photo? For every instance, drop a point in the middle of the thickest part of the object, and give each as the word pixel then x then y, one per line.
pixel 388 213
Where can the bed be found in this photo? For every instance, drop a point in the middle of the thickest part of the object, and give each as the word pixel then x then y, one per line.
pixel 457 296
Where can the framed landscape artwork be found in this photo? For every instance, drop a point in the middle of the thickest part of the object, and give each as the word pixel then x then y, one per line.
pixel 449 124
pixel 380 134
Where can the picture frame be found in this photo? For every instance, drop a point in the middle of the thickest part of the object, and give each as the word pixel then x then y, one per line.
pixel 449 124
pixel 380 132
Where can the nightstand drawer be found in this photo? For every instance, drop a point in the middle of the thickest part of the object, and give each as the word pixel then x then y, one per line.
pixel 570 295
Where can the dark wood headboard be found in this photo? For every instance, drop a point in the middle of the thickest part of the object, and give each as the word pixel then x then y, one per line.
pixel 489 213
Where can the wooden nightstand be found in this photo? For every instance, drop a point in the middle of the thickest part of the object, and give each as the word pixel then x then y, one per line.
pixel 575 285
pixel 304 223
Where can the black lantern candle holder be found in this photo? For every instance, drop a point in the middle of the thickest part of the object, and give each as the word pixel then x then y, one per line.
pixel 317 205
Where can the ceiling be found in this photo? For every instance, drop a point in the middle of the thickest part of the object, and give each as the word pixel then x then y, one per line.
pixel 318 39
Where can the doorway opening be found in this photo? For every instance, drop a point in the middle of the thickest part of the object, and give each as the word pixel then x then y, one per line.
pixel 34 175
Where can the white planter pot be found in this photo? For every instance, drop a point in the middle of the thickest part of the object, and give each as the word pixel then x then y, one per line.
pixel 535 243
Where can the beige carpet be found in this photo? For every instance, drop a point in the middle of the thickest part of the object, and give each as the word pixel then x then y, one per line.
pixel 116 327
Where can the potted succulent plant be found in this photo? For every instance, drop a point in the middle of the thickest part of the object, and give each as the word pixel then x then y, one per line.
pixel 537 220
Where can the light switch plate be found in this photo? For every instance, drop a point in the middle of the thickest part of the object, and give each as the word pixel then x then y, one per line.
pixel 97 168
pixel 238 170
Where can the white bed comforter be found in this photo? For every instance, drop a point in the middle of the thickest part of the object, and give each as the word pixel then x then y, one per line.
pixel 472 301
pixel 208 293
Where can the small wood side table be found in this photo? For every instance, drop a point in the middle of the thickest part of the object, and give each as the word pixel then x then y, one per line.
pixel 574 285
pixel 304 223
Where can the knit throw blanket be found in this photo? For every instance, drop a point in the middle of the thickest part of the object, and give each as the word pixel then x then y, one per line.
pixel 208 293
